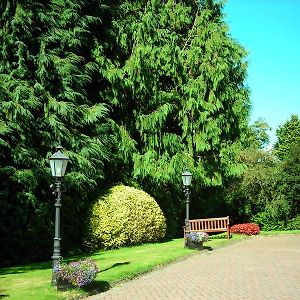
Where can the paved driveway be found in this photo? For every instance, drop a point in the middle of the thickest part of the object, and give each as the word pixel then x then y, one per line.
pixel 257 268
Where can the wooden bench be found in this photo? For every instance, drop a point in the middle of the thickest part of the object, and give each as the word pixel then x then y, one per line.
pixel 209 225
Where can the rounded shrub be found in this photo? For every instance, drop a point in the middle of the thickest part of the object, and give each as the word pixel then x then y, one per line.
pixel 124 216
pixel 246 228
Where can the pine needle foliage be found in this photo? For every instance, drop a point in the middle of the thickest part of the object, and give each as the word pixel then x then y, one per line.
pixel 178 92
pixel 49 94
pixel 143 88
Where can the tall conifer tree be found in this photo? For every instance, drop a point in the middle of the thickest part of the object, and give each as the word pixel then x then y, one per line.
pixel 178 92
pixel 49 94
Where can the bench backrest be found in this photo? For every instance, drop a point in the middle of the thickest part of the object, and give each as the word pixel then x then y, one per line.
pixel 209 225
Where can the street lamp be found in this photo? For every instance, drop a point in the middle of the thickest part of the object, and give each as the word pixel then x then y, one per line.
pixel 58 163
pixel 187 179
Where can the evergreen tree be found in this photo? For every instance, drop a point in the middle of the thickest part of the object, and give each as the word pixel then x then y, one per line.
pixel 289 183
pixel 178 95
pixel 168 76
pixel 49 94
pixel 267 192
pixel 287 148
pixel 288 135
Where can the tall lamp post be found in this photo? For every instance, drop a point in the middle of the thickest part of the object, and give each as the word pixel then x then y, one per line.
pixel 187 179
pixel 58 163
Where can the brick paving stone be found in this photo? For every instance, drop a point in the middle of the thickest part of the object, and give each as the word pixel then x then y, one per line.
pixel 259 268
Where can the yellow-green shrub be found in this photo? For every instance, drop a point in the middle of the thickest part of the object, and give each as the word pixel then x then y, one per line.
pixel 125 216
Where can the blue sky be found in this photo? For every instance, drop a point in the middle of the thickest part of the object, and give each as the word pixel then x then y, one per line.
pixel 270 31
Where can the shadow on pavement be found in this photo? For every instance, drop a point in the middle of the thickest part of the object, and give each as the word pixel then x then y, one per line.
pixel 208 248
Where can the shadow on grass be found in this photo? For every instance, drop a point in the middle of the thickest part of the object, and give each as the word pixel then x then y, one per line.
pixel 97 287
pixel 217 236
pixel 26 268
pixel 47 265
pixel 100 286
pixel 115 265
pixel 164 240
pixel 3 295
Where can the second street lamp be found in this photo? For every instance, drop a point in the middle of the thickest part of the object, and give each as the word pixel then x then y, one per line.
pixel 187 179
pixel 58 163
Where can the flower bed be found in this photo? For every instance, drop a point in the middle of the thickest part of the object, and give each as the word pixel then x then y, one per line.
pixel 194 240
pixel 77 273
pixel 246 228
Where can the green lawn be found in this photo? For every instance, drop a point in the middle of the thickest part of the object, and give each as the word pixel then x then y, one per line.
pixel 33 281
pixel 274 232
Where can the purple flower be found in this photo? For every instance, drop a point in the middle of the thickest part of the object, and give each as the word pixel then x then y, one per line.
pixel 197 237
pixel 78 273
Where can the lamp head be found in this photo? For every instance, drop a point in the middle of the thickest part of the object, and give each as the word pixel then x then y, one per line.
pixel 186 178
pixel 58 163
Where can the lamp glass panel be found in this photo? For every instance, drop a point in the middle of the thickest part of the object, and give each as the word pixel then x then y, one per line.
pixel 52 165
pixel 58 168
pixel 64 166
pixel 186 178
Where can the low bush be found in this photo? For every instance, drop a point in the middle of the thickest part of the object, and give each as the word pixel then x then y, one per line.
pixel 267 223
pixel 275 216
pixel 246 228
pixel 124 216
pixel 293 224
pixel 78 273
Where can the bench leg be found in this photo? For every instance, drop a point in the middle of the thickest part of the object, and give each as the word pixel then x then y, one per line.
pixel 228 233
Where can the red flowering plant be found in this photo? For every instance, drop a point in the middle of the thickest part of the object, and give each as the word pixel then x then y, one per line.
pixel 246 228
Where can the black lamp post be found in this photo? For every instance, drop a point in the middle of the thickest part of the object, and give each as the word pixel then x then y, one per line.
pixel 58 164
pixel 187 179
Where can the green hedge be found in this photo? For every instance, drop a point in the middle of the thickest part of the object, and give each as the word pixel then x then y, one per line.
pixel 294 224
pixel 268 223
pixel 124 216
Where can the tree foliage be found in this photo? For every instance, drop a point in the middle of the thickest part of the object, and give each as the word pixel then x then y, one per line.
pixel 268 191
pixel 183 77
pixel 287 149
pixel 48 94
pixel 290 179
pixel 249 194
pixel 134 90
pixel 257 136
pixel 178 94
pixel 288 135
